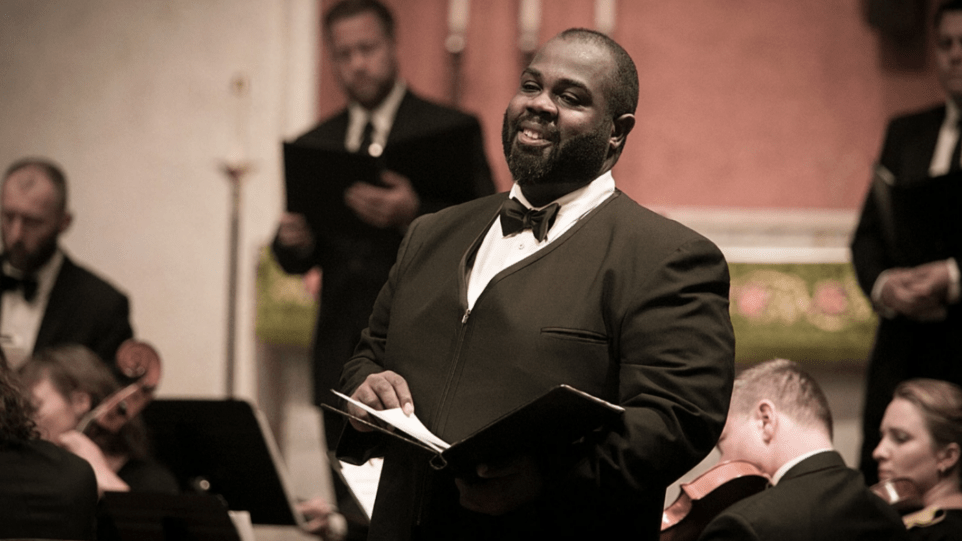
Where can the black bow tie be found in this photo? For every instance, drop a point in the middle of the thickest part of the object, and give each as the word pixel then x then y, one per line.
pixel 516 217
pixel 27 285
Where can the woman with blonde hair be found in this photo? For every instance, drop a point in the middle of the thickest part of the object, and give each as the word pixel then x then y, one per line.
pixel 922 442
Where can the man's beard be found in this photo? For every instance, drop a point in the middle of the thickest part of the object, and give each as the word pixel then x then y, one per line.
pixel 28 263
pixel 577 160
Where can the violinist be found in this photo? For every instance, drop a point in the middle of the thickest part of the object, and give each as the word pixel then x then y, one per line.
pixel 921 441
pixel 45 492
pixel 779 420
pixel 63 384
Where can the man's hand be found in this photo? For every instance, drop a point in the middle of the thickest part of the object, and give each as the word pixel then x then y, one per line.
pixel 381 391
pixel 322 519
pixel 919 293
pixel 395 205
pixel 502 487
pixel 293 232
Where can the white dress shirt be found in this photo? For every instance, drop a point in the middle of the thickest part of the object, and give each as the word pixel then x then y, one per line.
pixel 498 252
pixel 20 320
pixel 381 117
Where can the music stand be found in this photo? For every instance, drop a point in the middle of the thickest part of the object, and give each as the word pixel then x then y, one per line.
pixel 224 448
pixel 139 516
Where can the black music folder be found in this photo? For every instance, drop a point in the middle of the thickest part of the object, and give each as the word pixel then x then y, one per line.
pixel 559 417
pixel 223 448
pixel 317 174
pixel 316 178
pixel 921 218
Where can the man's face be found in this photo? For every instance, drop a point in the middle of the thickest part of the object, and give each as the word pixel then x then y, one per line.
pixel 31 219
pixel 556 128
pixel 948 54
pixel 364 58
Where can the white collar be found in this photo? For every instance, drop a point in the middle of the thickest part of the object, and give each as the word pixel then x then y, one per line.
pixel 597 189
pixel 382 116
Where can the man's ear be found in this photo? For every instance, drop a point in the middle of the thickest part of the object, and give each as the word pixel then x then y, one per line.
pixel 620 127
pixel 65 220
pixel 767 416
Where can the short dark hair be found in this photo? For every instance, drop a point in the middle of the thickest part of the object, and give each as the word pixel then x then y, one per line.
pixel 349 8
pixel 789 387
pixel 943 8
pixel 623 88
pixel 51 170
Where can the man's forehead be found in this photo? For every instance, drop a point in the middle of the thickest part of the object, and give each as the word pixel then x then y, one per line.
pixel 578 60
pixel 27 179
pixel 950 24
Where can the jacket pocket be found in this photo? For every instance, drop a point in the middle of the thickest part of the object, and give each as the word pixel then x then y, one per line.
pixel 580 335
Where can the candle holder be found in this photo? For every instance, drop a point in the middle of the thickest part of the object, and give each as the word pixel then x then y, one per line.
pixel 235 171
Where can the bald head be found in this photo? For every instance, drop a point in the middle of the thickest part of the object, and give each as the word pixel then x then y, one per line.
pixel 33 200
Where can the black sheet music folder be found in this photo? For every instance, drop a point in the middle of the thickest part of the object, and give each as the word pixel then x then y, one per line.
pixel 921 218
pixel 316 178
pixel 224 448
pixel 430 157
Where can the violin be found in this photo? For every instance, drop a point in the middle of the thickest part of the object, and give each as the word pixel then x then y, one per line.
pixel 140 363
pixel 901 493
pixel 711 493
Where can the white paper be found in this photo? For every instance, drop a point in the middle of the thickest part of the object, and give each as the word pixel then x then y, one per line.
pixel 410 425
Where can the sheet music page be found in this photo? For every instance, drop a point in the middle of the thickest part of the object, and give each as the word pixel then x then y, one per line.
pixel 363 481
pixel 410 425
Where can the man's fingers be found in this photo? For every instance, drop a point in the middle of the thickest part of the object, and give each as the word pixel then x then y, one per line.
pixel 385 390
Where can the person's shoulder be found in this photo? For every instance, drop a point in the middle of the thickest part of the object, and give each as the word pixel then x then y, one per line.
pixel 935 524
pixel 86 281
pixel 482 208
pixel 633 220
pixel 440 114
pixel 73 471
pixel 328 130
pixel 473 215
pixel 908 119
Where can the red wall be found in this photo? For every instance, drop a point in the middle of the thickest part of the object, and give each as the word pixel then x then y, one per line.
pixel 744 103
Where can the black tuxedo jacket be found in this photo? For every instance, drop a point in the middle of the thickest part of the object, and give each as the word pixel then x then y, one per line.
pixel 85 309
pixel 626 305
pixel 818 499
pixel 45 493
pixel 355 269
pixel 903 349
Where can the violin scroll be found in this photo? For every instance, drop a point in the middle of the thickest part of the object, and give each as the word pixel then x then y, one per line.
pixel 140 362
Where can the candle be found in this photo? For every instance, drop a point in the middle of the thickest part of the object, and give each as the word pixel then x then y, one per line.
pixel 457 24
pixel 605 16
pixel 529 22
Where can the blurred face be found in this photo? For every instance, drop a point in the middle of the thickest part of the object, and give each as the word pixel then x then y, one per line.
pixel 30 219
pixel 364 58
pixel 906 449
pixel 948 54
pixel 53 412
pixel 556 128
